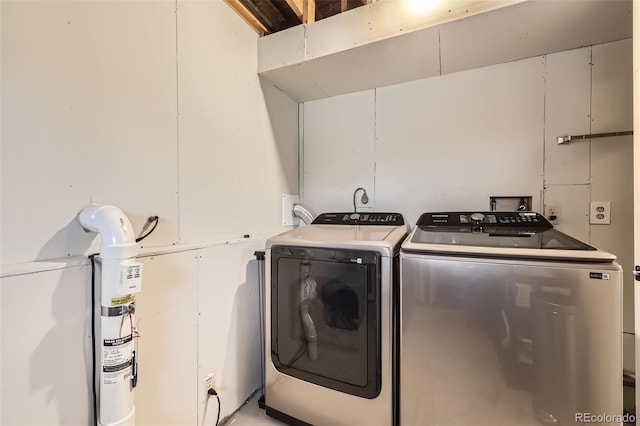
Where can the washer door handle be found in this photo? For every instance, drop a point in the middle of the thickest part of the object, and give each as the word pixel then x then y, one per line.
pixel 636 273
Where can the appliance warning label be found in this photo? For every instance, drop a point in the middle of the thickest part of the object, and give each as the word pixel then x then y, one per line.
pixel 117 359
pixel 599 276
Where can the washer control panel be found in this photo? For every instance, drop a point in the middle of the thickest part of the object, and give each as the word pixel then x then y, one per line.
pixel 388 219
pixel 493 219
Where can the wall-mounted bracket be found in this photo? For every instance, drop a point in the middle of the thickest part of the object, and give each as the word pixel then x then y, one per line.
pixel 566 138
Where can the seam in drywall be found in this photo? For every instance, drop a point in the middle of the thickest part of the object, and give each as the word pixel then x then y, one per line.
pixel 177 124
pixel 304 42
pixel 590 106
pixel 439 52
pixel 544 132
pixel 37 267
pixel 590 128
pixel 375 143
pixel 197 399
pixel 301 152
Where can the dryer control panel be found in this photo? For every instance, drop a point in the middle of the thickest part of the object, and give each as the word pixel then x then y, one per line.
pixel 387 219
pixel 492 219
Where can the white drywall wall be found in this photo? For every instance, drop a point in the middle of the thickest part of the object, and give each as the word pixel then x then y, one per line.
pixel 238 137
pixel 612 158
pixel 127 103
pixel 88 115
pixel 197 315
pixel 339 155
pixel 46 346
pixel 443 143
pixel 95 110
pixel 450 142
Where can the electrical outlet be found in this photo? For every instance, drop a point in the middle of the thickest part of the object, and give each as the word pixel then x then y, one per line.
pixel 600 213
pixel 552 213
pixel 209 382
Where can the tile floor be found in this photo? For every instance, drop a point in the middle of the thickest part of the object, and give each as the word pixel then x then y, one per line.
pixel 251 415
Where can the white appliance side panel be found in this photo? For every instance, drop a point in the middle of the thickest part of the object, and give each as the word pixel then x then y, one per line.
pixel 500 338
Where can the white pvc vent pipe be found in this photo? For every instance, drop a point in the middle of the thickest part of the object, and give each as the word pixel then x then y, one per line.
pixel 121 279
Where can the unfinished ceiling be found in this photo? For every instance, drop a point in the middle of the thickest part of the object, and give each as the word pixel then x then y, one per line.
pixel 270 16
pixel 384 43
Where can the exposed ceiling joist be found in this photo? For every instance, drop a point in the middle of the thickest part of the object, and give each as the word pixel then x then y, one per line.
pixel 297 6
pixel 247 16
pixel 270 16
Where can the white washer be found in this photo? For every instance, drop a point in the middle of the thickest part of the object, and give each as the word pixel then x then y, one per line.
pixel 329 317
pixel 507 321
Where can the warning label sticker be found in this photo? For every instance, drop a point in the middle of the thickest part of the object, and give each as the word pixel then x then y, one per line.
pixel 130 277
pixel 117 359
pixel 123 300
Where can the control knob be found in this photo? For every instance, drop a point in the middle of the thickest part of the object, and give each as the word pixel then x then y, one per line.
pixel 477 217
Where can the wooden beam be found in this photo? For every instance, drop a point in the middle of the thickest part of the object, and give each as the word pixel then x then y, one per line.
pixel 247 16
pixel 309 12
pixel 343 5
pixel 297 6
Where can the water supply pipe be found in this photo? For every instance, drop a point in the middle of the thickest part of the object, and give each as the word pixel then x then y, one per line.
pixel 121 278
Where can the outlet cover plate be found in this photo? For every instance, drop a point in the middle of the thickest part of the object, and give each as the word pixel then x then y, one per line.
pixel 552 213
pixel 209 381
pixel 288 200
pixel 600 213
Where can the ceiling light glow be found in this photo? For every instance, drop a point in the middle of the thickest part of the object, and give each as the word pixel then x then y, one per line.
pixel 421 7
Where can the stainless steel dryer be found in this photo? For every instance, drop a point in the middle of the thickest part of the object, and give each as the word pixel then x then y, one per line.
pixel 329 320
pixel 507 321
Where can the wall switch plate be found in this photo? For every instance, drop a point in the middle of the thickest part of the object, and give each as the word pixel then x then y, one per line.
pixel 552 213
pixel 288 200
pixel 600 213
